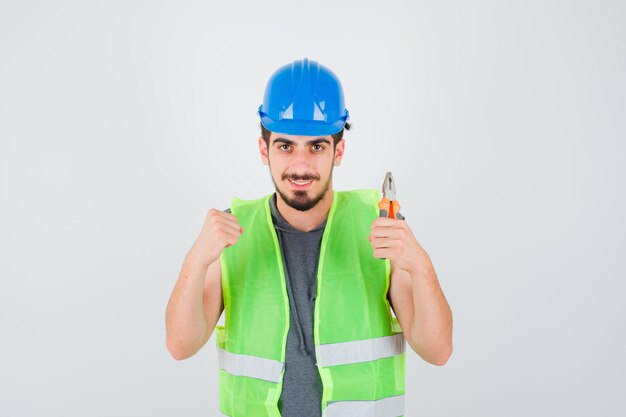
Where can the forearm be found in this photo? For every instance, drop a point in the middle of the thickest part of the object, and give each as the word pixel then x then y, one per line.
pixel 431 328
pixel 185 321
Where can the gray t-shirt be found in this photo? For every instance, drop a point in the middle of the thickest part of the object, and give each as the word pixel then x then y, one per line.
pixel 301 395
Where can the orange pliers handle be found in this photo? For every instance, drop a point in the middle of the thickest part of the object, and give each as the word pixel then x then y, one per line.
pixel 388 208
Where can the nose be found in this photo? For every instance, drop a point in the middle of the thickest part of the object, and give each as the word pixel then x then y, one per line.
pixel 300 167
pixel 301 159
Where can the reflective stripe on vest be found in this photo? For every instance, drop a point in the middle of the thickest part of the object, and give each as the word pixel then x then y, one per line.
pixel 387 407
pixel 331 354
pixel 250 366
pixel 343 353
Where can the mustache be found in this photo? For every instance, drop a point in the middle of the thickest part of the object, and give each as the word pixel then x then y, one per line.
pixel 300 177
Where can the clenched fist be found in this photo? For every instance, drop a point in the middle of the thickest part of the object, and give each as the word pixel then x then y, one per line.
pixel 220 230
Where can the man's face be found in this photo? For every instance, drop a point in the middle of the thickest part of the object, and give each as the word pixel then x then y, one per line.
pixel 301 166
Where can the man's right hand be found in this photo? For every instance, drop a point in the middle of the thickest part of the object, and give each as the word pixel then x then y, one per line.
pixel 220 230
pixel 196 302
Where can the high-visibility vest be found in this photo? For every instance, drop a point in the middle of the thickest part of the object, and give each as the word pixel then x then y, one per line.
pixel 359 346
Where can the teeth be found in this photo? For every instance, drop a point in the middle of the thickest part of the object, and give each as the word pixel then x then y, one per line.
pixel 300 182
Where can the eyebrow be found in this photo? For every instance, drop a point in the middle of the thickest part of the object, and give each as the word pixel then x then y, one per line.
pixel 310 142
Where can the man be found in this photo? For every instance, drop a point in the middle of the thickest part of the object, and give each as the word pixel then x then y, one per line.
pixel 307 277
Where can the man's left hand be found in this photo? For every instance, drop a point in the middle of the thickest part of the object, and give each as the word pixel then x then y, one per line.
pixel 393 239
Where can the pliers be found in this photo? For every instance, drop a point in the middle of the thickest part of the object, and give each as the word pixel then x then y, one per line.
pixel 389 206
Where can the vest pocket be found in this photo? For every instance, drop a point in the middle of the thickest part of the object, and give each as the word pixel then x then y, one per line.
pixel 395 325
pixel 220 336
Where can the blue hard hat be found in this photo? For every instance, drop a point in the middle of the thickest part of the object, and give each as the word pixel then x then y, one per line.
pixel 303 98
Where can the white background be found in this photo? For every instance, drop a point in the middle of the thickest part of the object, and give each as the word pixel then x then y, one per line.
pixel 123 122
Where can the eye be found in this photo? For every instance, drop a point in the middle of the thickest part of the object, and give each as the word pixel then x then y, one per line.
pixel 318 147
pixel 284 147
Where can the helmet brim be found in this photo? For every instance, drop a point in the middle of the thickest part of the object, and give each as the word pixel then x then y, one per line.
pixel 303 128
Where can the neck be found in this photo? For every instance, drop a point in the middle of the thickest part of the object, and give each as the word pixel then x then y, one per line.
pixel 305 221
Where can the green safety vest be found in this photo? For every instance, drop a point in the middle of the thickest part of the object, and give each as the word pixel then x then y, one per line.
pixel 359 345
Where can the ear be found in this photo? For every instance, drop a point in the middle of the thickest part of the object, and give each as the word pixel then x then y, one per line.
pixel 263 151
pixel 339 152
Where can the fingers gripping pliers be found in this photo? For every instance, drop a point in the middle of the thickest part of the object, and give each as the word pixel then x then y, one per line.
pixel 388 205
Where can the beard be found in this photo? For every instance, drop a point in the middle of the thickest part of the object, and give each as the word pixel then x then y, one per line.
pixel 300 199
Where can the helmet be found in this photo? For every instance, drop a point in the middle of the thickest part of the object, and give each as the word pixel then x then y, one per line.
pixel 303 98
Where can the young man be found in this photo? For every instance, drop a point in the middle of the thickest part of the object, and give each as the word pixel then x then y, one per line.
pixel 307 277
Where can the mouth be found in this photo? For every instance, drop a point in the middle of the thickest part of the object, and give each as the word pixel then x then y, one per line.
pixel 300 184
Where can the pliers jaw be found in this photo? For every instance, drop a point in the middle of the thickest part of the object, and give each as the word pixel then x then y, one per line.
pixel 389 206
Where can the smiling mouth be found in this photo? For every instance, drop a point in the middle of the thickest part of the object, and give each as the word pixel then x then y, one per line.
pixel 300 184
